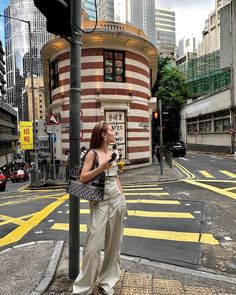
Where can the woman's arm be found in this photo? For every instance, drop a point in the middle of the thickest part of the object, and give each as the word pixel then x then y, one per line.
pixel 87 173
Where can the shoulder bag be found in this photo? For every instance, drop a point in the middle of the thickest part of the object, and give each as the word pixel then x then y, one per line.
pixel 92 190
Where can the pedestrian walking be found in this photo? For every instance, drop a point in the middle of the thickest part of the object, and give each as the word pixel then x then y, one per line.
pixel 106 223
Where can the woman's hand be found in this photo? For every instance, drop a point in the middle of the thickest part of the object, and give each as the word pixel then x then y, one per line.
pixel 105 165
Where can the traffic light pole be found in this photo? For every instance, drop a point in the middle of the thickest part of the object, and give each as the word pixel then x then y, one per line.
pixel 75 97
pixel 160 137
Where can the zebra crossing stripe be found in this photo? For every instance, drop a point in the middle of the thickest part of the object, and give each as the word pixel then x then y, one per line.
pixel 206 174
pixel 138 213
pixel 146 194
pixel 139 186
pixel 155 234
pixel 144 201
pixel 227 173
pixel 143 189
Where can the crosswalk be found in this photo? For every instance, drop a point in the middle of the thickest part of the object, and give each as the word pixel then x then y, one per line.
pixel 154 215
pixel 216 174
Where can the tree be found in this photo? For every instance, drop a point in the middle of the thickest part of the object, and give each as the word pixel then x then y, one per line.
pixel 170 87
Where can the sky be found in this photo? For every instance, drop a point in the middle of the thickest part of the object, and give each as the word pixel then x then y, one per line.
pixel 190 15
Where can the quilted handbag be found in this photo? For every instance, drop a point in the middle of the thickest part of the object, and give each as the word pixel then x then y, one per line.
pixel 92 190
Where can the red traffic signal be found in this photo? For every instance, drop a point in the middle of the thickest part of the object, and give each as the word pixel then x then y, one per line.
pixel 155 115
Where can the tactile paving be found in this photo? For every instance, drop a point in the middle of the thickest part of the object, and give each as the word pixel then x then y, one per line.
pixel 167 287
pixel 137 284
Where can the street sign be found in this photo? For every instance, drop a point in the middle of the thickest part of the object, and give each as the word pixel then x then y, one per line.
pixel 52 137
pixel 52 120
pixel 52 128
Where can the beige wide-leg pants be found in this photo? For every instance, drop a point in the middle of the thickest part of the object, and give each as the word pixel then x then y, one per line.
pixel 105 228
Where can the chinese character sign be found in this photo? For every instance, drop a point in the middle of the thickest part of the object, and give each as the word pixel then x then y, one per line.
pixel 117 120
pixel 26 135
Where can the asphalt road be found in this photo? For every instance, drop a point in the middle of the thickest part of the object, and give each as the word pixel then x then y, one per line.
pixel 189 222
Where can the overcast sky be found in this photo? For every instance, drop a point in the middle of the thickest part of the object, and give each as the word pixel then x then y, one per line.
pixel 190 15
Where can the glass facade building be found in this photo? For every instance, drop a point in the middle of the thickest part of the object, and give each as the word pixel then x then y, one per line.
pixel 165 32
pixel 17 47
pixel 105 9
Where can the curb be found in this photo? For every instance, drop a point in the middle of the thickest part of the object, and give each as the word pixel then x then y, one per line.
pixel 51 269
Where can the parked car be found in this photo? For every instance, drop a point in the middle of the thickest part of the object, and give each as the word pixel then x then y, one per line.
pixel 3 181
pixel 19 175
pixel 177 148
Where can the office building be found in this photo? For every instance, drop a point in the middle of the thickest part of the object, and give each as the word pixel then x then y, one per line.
pixel 105 9
pixel 211 32
pixel 17 47
pixel 165 32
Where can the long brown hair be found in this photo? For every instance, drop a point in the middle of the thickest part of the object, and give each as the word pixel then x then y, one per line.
pixel 97 138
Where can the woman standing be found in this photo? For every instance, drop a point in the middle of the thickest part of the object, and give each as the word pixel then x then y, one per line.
pixel 105 228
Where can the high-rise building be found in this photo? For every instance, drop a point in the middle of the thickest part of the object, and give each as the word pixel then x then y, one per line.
pixel 139 13
pixel 17 47
pixel 105 9
pixel 211 33
pixel 165 31
pixel 187 44
pixel 2 71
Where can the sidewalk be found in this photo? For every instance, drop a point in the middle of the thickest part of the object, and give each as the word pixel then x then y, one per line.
pixel 42 267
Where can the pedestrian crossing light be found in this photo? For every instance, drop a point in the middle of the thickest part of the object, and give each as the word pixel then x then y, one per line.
pixel 155 115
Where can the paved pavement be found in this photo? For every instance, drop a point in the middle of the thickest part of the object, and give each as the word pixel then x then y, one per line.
pixel 42 267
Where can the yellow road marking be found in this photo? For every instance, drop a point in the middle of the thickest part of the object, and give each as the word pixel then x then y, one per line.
pixel 139 213
pixel 216 180
pixel 28 225
pixel 33 196
pixel 231 188
pixel 142 189
pixel 146 194
pixel 22 201
pixel 184 170
pixel 21 217
pixel 10 219
pixel 230 174
pixel 206 174
pixel 158 202
pixel 139 186
pixel 155 234
pixel 212 188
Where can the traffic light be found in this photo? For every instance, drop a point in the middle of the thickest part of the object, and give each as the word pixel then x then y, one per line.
pixel 155 115
pixel 57 13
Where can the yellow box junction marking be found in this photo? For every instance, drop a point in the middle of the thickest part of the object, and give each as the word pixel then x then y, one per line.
pixel 28 225
pixel 206 174
pixel 212 188
pixel 15 220
pixel 230 174
pixel 139 213
pixel 155 234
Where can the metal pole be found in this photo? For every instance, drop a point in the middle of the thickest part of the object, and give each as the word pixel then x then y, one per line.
pixel 160 136
pixel 75 97
pixel 232 109
pixel 36 167
pixel 36 172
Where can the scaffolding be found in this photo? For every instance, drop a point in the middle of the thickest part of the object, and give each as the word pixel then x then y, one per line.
pixel 204 75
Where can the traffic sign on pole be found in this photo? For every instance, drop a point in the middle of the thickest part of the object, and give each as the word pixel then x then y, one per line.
pixel 52 137
pixel 52 120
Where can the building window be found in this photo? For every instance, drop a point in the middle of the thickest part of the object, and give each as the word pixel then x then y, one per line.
pixel 114 68
pixel 55 74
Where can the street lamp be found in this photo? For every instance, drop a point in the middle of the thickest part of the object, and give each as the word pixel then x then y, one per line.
pixel 35 174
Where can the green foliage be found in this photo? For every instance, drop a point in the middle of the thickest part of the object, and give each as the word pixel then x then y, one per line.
pixel 170 85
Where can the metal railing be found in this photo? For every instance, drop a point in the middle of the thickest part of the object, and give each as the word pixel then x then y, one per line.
pixel 49 172
pixel 168 157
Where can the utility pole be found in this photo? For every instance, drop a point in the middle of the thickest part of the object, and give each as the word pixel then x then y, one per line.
pixel 75 97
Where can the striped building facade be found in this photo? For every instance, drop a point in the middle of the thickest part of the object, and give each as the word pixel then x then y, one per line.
pixel 118 68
